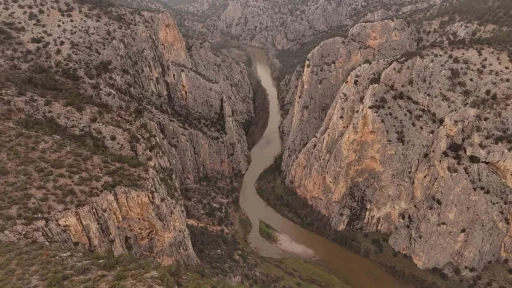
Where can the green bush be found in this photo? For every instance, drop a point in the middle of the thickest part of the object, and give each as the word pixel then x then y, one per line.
pixel 378 245
pixel 4 171
pixel 474 159
pixel 55 281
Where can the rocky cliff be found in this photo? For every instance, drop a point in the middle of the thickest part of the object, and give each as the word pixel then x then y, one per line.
pixel 312 89
pixel 106 113
pixel 412 144
pixel 284 25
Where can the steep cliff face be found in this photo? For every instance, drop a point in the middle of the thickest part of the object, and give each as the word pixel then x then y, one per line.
pixel 126 221
pixel 313 89
pixel 415 146
pixel 130 110
pixel 283 25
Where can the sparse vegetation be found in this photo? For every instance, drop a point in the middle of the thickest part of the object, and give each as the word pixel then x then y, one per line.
pixel 36 265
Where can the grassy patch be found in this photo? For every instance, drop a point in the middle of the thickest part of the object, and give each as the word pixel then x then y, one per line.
pixel 36 265
pixel 268 232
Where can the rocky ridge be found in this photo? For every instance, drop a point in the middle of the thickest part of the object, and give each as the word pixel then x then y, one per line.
pixel 286 25
pixel 312 89
pixel 134 111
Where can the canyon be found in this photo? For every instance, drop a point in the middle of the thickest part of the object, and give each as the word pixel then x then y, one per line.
pixel 138 128
pixel 106 114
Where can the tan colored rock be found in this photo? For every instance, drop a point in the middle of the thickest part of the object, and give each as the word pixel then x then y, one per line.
pixel 172 43
pixel 328 67
pixel 406 151
pixel 139 222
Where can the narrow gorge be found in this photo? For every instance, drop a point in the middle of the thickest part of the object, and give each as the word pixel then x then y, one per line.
pixel 246 143
pixel 353 269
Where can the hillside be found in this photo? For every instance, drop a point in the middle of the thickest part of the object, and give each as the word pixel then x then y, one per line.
pixel 106 114
pixel 284 25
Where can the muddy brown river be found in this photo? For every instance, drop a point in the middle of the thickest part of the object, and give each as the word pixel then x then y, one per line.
pixel 356 271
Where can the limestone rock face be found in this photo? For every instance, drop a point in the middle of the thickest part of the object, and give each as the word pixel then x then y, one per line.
pixel 161 112
pixel 124 221
pixel 411 145
pixel 172 44
pixel 282 25
pixel 328 66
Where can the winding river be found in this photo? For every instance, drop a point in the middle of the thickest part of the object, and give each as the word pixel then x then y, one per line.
pixel 356 271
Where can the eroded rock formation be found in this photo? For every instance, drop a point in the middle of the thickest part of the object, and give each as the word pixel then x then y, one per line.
pixel 284 25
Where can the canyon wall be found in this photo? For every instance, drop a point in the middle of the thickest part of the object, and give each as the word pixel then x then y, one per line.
pixel 414 144
pixel 130 110
pixel 284 25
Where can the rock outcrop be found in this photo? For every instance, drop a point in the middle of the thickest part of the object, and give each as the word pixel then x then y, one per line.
pixel 126 220
pixel 313 88
pixel 416 145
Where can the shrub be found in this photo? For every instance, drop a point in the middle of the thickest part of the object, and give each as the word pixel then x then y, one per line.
pixel 103 67
pixel 4 171
pixel 374 80
pixel 474 159
pixel 131 161
pixel 378 245
pixel 455 147
pixel 455 73
pixel 55 281
pixel 452 169
pixel 36 40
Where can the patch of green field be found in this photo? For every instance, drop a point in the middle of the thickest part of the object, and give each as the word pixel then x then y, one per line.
pixel 268 232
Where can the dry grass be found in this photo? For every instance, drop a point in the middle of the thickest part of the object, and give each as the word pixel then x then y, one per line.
pixel 36 265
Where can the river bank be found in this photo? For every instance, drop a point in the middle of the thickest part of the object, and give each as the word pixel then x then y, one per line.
pixel 351 268
pixel 256 127
pixel 272 189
